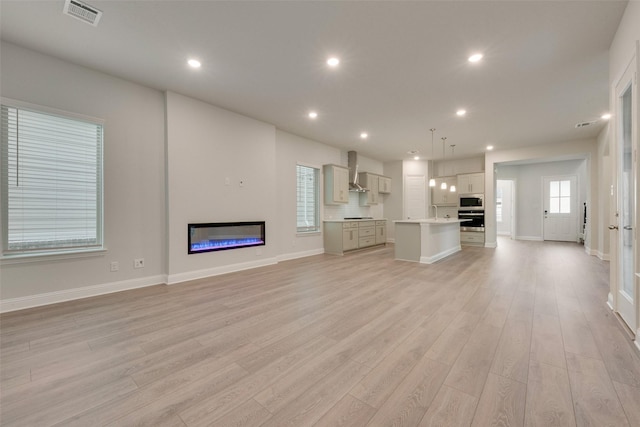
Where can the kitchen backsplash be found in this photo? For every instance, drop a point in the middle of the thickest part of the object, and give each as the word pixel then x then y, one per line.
pixel 352 209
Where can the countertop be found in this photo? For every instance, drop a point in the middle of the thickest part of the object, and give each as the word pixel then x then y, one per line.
pixel 354 220
pixel 431 221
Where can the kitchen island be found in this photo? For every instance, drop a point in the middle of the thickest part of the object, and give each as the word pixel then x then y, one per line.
pixel 426 240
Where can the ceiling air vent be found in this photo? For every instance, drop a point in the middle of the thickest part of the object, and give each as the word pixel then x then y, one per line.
pixel 82 11
pixel 583 124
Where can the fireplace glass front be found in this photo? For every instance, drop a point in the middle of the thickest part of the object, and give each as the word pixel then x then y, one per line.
pixel 220 236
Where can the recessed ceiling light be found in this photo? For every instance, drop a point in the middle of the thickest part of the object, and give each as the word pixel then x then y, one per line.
pixel 364 135
pixel 461 112
pixel 475 57
pixel 194 63
pixel 416 158
pixel 489 147
pixel 313 114
pixel 333 62
pixel 606 116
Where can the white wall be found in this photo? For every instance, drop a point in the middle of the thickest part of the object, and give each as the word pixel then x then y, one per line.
pixel 291 149
pixel 529 192
pixel 604 193
pixel 459 166
pixel 134 196
pixel 206 147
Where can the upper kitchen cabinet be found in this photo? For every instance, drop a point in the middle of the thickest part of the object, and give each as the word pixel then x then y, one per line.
pixel 336 184
pixel 471 183
pixel 384 185
pixel 444 197
pixel 371 182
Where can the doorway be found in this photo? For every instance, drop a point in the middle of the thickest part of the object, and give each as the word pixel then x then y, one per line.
pixel 624 234
pixel 560 220
pixel 505 207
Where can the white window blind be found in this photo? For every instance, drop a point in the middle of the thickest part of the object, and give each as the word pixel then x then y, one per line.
pixel 52 181
pixel 307 199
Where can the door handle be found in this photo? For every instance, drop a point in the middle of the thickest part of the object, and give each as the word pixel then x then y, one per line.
pixel 613 227
pixel 628 227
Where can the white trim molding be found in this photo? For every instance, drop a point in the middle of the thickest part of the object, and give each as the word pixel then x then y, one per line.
pixel 491 245
pixel 637 340
pixel 433 258
pixel 302 254
pixel 21 303
pixel 610 300
pixel 531 238
pixel 172 279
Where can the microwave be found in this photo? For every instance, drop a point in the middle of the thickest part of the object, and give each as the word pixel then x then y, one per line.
pixel 471 202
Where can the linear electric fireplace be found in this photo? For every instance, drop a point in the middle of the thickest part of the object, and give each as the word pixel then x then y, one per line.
pixel 219 236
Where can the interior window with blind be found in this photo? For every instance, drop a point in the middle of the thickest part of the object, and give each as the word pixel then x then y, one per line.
pixel 308 217
pixel 51 182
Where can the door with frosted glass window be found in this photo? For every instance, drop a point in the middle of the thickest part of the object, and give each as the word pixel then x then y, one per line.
pixel 560 220
pixel 625 131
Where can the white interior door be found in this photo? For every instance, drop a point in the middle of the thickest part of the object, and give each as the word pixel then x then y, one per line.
pixel 560 221
pixel 505 224
pixel 415 197
pixel 625 131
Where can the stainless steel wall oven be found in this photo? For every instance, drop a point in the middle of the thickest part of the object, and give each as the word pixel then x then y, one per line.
pixel 474 220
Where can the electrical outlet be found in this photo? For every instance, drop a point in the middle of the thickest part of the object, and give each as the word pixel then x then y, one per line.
pixel 138 263
pixel 115 266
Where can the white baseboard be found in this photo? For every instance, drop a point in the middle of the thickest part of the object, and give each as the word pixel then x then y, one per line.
pixel 391 240
pixel 610 301
pixel 600 255
pixel 531 238
pixel 21 303
pixel 172 279
pixel 439 256
pixel 637 340
pixel 491 245
pixel 303 254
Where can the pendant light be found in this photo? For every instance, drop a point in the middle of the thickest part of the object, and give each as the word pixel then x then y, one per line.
pixel 432 181
pixel 453 187
pixel 443 186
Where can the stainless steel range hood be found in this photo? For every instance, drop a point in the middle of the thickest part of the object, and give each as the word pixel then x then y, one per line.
pixel 352 162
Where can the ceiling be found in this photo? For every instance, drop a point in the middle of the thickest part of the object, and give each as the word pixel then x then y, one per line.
pixel 403 65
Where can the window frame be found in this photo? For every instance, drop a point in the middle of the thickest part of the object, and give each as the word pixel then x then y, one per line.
pixel 300 231
pixel 7 255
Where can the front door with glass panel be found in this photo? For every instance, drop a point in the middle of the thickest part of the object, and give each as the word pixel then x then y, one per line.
pixel 560 210
pixel 626 175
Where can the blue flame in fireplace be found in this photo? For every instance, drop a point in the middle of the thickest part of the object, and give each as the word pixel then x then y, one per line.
pixel 207 245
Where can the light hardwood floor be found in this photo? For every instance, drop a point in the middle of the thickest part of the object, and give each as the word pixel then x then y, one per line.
pixel 515 336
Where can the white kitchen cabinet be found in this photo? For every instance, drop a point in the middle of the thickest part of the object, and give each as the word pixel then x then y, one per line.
pixel 384 185
pixel 472 238
pixel 336 184
pixel 381 232
pixel 371 182
pixel 366 234
pixel 350 236
pixel 442 197
pixel 471 183
pixel 343 236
